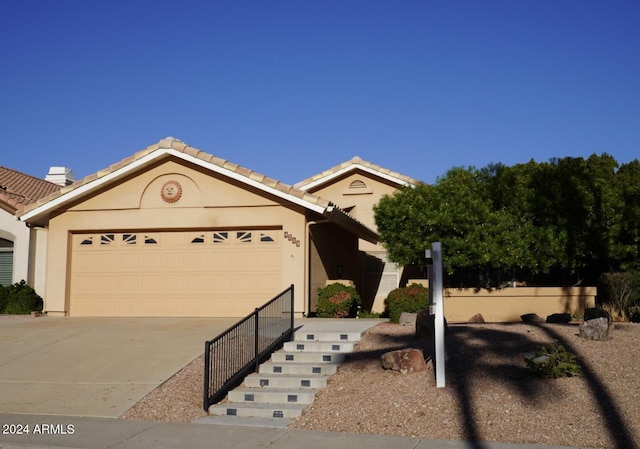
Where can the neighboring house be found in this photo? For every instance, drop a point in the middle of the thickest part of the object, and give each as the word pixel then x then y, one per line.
pixel 22 247
pixel 356 186
pixel 174 231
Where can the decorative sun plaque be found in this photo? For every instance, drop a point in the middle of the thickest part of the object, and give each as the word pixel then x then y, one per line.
pixel 171 191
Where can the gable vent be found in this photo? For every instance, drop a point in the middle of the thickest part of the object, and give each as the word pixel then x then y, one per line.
pixel 357 184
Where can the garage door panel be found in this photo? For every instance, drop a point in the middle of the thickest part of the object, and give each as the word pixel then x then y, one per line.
pixel 173 260
pixel 214 273
pixel 150 282
pixel 242 281
pixel 84 283
pixel 196 260
pixel 172 283
pixel 219 282
pixel 196 282
pixel 106 261
pixel 85 262
pixel 266 282
pixel 129 261
pixel 219 258
pixel 106 282
pixel 244 259
pixel 149 261
pixel 268 259
pixel 128 282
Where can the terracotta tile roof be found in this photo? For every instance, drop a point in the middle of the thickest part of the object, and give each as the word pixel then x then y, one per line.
pixel 18 189
pixel 177 145
pixel 353 164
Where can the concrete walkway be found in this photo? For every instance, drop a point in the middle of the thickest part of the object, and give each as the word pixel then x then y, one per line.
pixel 99 433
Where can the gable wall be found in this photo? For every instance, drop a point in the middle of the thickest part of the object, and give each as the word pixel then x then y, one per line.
pixel 338 191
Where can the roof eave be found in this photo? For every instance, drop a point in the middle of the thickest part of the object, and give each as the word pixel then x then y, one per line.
pixel 346 221
pixel 328 178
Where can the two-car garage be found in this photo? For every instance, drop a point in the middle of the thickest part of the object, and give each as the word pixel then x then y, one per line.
pixel 179 274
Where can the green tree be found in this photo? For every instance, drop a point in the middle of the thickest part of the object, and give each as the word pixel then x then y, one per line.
pixel 627 250
pixel 563 222
pixel 482 244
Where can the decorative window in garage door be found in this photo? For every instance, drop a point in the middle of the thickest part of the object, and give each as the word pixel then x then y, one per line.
pixel 235 237
pixel 111 240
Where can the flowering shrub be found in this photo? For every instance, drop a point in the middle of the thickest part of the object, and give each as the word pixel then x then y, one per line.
pixel 408 299
pixel 337 301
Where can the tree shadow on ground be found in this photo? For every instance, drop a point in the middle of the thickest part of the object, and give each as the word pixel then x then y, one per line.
pixel 472 351
pixel 615 424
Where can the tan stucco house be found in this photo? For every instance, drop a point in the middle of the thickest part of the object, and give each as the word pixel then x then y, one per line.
pixel 356 186
pixel 174 231
pixel 22 247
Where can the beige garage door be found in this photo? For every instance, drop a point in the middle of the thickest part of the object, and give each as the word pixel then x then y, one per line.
pixel 182 274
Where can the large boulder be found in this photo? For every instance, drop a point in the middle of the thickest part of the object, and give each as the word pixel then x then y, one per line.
pixel 596 329
pixel 404 360
pixel 594 312
pixel 531 318
pixel 559 318
pixel 408 319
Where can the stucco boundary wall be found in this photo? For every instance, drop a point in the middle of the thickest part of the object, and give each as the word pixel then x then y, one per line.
pixel 508 304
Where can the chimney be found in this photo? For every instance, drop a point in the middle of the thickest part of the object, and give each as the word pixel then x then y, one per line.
pixel 61 176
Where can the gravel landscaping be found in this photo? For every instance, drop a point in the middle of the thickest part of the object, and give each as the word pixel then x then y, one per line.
pixel 490 394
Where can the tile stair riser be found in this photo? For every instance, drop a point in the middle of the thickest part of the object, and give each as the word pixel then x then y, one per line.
pixel 271 396
pixel 282 381
pixel 307 357
pixel 319 346
pixel 327 337
pixel 299 368
pixel 259 410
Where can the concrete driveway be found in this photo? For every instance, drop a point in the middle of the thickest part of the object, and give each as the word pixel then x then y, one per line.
pixel 96 367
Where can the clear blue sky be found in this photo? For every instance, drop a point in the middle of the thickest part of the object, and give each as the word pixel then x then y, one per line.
pixel 291 88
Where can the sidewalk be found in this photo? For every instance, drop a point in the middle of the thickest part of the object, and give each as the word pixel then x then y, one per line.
pixel 65 432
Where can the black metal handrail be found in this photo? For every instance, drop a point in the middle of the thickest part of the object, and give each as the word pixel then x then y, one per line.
pixel 230 356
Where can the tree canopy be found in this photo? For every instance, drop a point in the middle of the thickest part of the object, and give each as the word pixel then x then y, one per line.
pixel 561 222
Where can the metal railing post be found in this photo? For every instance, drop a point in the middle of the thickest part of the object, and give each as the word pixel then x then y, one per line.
pixel 256 342
pixel 291 325
pixel 207 374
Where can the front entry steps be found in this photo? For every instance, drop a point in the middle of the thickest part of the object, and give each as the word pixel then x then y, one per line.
pixel 286 384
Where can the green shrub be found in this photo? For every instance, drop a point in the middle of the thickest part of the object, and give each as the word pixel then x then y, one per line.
pixel 553 362
pixel 617 292
pixel 633 313
pixel 365 314
pixel 337 301
pixel 408 299
pixel 20 299
pixel 3 298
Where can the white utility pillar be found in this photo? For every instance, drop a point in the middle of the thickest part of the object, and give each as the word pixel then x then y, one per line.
pixel 437 309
